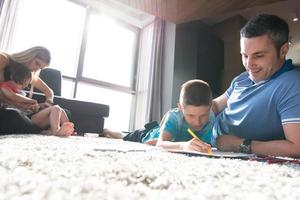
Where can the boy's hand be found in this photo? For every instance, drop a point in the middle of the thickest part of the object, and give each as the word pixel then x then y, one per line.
pixel 197 145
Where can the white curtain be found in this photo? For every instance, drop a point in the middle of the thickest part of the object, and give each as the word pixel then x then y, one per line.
pixel 150 72
pixel 1 6
pixel 7 22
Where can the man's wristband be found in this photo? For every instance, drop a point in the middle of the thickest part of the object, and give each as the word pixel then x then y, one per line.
pixel 245 147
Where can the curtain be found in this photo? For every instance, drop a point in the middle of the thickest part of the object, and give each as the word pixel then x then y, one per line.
pixel 7 21
pixel 154 111
pixel 150 73
pixel 1 6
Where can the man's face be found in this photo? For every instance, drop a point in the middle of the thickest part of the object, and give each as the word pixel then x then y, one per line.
pixel 195 116
pixel 260 57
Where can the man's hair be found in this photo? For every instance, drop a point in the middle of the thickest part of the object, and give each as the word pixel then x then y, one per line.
pixel 195 93
pixel 273 26
pixel 19 73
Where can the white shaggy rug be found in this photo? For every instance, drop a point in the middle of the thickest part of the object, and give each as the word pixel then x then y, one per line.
pixel 49 167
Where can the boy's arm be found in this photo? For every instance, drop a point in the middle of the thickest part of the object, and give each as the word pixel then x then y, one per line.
pixel 165 142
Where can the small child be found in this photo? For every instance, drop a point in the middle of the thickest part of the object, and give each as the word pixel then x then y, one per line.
pixel 193 112
pixel 43 116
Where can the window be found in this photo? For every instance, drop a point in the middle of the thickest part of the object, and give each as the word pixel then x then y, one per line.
pixel 45 23
pixel 109 52
pixel 119 103
pixel 95 52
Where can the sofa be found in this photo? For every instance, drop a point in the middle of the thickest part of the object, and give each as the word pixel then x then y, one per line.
pixel 88 117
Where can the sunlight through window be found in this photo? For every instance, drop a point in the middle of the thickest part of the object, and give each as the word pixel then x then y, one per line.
pixel 119 104
pixel 45 23
pixel 107 49
pixel 109 52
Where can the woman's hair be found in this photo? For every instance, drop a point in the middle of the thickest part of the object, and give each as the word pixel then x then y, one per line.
pixel 195 93
pixel 28 55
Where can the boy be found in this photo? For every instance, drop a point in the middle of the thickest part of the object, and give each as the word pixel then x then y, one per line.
pixel 52 116
pixel 193 112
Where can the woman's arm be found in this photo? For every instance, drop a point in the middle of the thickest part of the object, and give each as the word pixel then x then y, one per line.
pixel 14 97
pixel 43 87
pixel 18 101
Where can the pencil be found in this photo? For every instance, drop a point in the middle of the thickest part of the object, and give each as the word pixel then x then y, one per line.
pixel 195 136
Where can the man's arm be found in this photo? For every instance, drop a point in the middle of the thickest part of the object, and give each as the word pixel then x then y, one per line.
pixel 289 147
pixel 219 103
pixel 165 142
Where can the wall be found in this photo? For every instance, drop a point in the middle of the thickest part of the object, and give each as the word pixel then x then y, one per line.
pixel 229 32
pixel 294 52
pixel 210 60
pixel 195 55
pixel 168 62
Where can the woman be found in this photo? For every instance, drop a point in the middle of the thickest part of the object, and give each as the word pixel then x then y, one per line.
pixel 35 59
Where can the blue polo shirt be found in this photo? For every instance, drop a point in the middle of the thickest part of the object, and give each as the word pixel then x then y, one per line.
pixel 257 111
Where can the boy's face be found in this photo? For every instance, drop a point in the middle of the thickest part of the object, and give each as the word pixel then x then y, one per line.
pixel 195 116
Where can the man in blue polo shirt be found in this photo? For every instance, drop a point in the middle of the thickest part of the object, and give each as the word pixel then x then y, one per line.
pixel 260 111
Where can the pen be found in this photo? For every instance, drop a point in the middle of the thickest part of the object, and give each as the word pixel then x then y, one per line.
pixel 195 136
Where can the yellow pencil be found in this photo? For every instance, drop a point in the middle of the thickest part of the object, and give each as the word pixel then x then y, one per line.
pixel 195 136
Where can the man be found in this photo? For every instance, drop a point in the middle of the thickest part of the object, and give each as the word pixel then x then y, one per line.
pixel 260 111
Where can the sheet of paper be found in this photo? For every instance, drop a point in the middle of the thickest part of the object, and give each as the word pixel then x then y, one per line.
pixel 124 146
pixel 215 153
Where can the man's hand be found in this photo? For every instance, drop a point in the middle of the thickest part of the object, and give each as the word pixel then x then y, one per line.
pixel 229 143
pixel 197 145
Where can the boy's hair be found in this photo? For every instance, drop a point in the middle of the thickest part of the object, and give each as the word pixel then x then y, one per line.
pixel 195 93
pixel 19 73
pixel 276 28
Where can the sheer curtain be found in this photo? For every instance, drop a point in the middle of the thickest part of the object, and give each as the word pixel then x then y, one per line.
pixel 7 21
pixel 150 73
pixel 1 6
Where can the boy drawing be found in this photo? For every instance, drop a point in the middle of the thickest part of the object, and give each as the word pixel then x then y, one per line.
pixel 42 115
pixel 193 112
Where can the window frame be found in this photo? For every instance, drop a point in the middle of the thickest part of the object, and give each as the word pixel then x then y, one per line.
pixel 102 84
pixel 80 78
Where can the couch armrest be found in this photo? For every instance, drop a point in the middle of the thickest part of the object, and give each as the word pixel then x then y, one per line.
pixel 77 106
pixel 88 117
